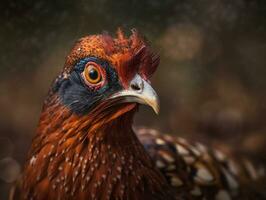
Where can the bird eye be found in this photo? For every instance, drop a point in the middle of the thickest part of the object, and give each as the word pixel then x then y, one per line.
pixel 92 74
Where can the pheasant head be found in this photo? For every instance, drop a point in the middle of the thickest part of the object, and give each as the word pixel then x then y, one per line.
pixel 102 70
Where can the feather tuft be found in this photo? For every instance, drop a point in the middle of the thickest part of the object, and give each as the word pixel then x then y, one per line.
pixel 128 55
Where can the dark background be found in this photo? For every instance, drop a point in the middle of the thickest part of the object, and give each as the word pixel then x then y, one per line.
pixel 211 80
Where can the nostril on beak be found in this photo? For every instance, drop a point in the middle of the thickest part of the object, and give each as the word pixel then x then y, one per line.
pixel 135 86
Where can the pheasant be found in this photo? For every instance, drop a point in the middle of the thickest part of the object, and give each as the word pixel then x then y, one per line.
pixel 85 146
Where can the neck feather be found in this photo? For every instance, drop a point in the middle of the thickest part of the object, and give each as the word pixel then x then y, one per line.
pixel 74 158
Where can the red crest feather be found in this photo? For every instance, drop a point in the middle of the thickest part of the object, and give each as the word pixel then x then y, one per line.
pixel 128 55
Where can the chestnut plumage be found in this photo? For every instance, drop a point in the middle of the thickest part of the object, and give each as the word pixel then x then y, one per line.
pixel 85 146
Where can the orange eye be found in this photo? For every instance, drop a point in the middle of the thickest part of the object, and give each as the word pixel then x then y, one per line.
pixel 92 74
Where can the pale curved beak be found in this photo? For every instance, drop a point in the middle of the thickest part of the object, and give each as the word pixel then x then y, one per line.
pixel 139 91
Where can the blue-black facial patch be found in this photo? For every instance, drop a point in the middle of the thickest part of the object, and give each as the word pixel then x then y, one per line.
pixel 80 98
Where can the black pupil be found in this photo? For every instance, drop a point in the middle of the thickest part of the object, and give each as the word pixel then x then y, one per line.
pixel 93 74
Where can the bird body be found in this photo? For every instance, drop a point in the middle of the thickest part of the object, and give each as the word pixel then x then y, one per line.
pixel 85 146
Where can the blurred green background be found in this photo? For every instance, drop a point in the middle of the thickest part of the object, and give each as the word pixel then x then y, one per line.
pixel 211 80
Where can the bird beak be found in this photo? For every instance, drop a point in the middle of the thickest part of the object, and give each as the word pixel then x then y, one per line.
pixel 139 91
